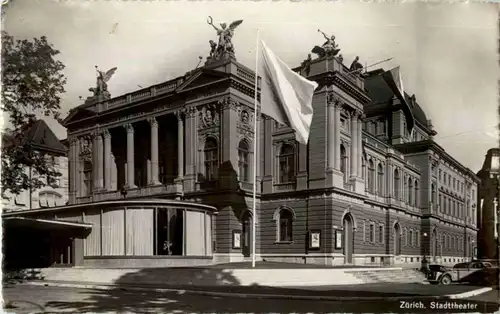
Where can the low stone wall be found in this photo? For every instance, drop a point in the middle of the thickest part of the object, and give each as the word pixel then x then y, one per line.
pixel 147 261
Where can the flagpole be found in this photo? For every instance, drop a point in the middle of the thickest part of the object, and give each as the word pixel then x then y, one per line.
pixel 255 138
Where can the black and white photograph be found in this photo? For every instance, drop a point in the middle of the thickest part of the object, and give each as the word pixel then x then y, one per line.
pixel 250 156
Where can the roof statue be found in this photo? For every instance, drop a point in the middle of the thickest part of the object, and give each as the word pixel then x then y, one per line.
pixel 306 65
pixel 329 48
pixel 224 48
pixel 101 89
pixel 356 66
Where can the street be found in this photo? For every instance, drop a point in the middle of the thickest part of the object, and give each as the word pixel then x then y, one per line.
pixel 30 299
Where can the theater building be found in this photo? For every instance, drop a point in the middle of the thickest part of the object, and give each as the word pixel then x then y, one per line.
pixel 164 176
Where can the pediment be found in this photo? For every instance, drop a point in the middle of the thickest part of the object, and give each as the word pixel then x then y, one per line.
pixel 201 78
pixel 78 114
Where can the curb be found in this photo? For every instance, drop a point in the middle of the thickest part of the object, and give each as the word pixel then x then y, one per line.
pixel 258 296
pixel 469 294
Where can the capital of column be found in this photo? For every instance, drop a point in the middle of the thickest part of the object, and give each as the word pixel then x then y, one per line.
pixel 129 128
pixel 182 112
pixel 106 133
pixel 357 115
pixel 96 134
pixel 153 122
pixel 333 100
pixel 228 103
pixel 73 141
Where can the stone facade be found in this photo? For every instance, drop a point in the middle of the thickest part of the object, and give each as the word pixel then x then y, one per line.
pixel 369 197
pixel 488 209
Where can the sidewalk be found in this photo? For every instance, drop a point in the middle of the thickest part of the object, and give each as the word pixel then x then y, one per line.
pixel 326 293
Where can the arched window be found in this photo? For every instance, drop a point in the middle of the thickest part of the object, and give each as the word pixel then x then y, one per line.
pixel 287 164
pixel 410 191
pixel 405 190
pixel 211 159
pixel 343 161
pixel 417 196
pixel 380 180
pixel 243 153
pixel 397 184
pixel 285 226
pixel 371 176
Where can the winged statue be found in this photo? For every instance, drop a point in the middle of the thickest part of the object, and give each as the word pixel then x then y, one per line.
pixel 101 88
pixel 225 33
pixel 329 48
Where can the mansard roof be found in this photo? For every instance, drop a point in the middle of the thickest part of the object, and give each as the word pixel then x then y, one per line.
pixel 40 135
pixel 381 94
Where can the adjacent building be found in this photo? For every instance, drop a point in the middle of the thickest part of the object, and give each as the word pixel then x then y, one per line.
pixel 44 140
pixel 164 175
pixel 488 213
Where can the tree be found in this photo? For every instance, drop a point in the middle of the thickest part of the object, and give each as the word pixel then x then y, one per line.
pixel 32 83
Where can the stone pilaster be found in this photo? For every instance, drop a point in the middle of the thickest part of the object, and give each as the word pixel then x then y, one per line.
pixel 97 161
pixel 360 144
pixel 354 145
pixel 356 153
pixel 154 151
pixel 267 181
pixel 229 163
pixel 302 169
pixel 130 156
pixel 333 175
pixel 107 160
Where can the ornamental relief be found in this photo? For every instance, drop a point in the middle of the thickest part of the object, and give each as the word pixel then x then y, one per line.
pixel 85 145
pixel 245 117
pixel 209 116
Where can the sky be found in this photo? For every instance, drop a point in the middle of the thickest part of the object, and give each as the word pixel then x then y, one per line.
pixel 447 52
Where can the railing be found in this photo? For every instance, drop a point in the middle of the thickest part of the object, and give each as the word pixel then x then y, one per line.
pixel 162 88
pixel 245 74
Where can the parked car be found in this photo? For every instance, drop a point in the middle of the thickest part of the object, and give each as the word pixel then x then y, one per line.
pixel 474 272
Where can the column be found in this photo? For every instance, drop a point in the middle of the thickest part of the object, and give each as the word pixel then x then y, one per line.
pixel 331 144
pixel 180 146
pixel 107 160
pixel 338 106
pixel 360 144
pixel 77 176
pixel 154 151
pixel 100 162
pixel 354 144
pixel 96 161
pixel 130 156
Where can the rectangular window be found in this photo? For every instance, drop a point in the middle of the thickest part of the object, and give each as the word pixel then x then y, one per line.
pixel 411 237
pixel 381 234
pixel 372 232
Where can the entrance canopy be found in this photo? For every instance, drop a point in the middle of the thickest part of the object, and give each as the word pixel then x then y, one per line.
pixel 45 224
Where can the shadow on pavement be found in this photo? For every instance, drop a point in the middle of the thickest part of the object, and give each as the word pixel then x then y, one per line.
pixel 120 299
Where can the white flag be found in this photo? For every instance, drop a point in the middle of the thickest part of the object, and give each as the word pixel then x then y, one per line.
pixel 285 95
